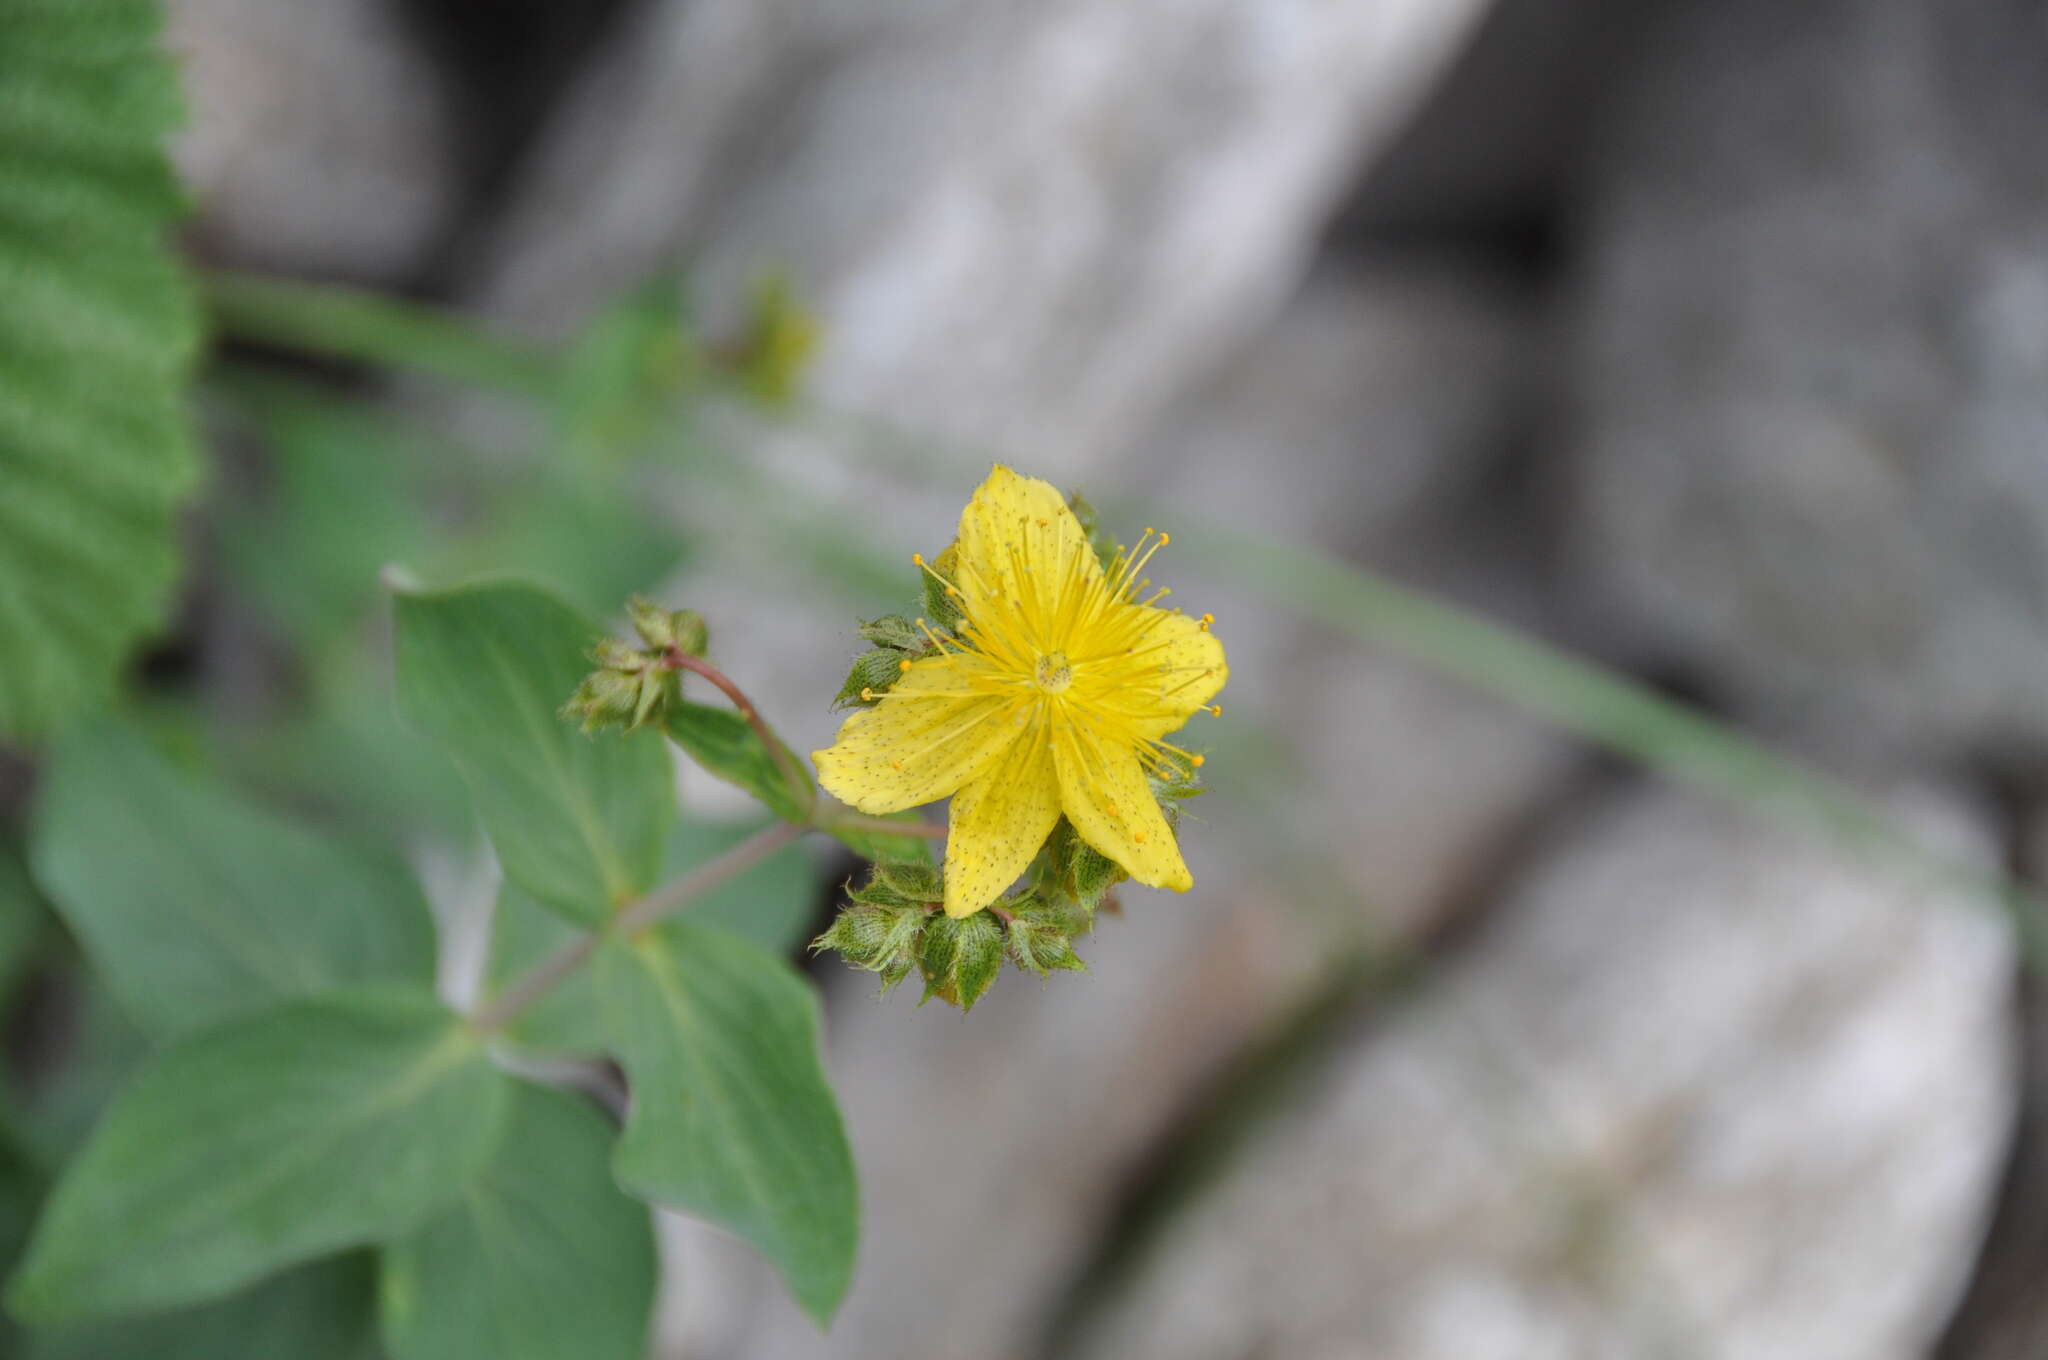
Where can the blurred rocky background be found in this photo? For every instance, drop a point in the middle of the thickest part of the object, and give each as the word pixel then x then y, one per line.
pixel 1706 336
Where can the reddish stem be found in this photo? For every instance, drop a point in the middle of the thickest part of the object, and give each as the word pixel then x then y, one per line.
pixel 678 659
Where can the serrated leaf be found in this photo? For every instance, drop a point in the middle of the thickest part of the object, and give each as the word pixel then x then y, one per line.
pixel 96 343
pixel 578 821
pixel 541 1258
pixel 732 1119
pixel 324 1311
pixel 195 906
pixel 770 904
pixel 269 1140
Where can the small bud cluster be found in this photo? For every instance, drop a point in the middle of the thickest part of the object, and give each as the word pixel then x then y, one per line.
pixel 632 685
pixel 893 924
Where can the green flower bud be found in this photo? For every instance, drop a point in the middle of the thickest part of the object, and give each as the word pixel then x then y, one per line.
pixel 960 957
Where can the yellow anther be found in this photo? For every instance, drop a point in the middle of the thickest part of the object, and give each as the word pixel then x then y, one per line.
pixel 1138 836
pixel 1215 710
pixel 1165 539
pixel 903 665
pixel 1042 523
pixel 953 591
pixel 1207 621
pixel 1110 808
pixel 1198 761
pixel 895 764
pixel 867 695
pixel 917 559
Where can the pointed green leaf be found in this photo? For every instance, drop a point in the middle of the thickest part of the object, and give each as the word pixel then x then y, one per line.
pixel 578 821
pixel 324 1311
pixel 195 906
pixel 731 1117
pixel 542 1257
pixel 724 743
pixel 97 336
pixel 266 1141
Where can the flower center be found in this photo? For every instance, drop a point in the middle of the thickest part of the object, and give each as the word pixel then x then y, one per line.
pixel 1054 674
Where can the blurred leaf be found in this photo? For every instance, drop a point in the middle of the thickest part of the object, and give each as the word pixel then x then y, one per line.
pixel 21 920
pixel 341 502
pixel 542 1258
pixel 622 377
pixel 194 906
pixel 324 1311
pixel 589 537
pixel 577 821
pixel 269 1140
pixel 723 742
pixel 770 905
pixel 731 1118
pixel 96 340
pixel 94 1049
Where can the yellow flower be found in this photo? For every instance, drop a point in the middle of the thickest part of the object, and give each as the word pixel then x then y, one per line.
pixel 1056 698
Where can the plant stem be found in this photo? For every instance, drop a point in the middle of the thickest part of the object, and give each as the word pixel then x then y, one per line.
pixel 664 901
pixel 799 785
pixel 351 323
pixel 674 896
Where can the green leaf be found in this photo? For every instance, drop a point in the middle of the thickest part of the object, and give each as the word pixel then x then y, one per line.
pixel 324 1311
pixel 770 904
pixel 194 906
pixel 724 743
pixel 96 341
pixel 577 821
pixel 879 846
pixel 731 1118
pixel 542 1258
pixel 269 1140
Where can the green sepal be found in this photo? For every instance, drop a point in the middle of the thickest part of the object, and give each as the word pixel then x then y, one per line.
pixel 1041 944
pixel 881 938
pixel 1091 525
pixel 874 673
pixel 960 958
pixel 893 630
pixel 939 609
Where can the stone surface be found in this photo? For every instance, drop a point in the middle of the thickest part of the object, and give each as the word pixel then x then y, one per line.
pixel 1816 266
pixel 1023 226
pixel 317 142
pixel 1699 1089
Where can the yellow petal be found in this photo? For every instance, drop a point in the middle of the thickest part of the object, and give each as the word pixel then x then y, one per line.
pixel 1021 557
pixel 1104 794
pixel 929 735
pixel 998 823
pixel 1167 667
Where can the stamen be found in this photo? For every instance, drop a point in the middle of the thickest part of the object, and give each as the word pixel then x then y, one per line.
pixel 904 664
pixel 1215 710
pixel 1208 621
pixel 1198 760
pixel 867 695
pixel 1138 836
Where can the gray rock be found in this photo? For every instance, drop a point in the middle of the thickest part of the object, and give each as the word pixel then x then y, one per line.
pixel 1700 1089
pixel 1024 226
pixel 1813 380
pixel 318 141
